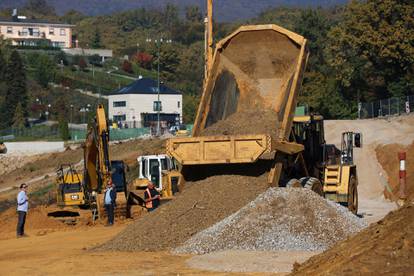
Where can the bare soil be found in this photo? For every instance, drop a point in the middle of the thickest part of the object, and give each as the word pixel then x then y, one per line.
pixel 385 247
pixel 246 122
pixel 388 157
pixel 200 205
pixel 64 252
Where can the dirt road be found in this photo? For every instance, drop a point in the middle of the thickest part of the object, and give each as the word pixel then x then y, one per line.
pixel 69 253
pixel 371 176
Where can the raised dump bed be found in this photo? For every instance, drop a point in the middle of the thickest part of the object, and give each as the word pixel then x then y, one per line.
pixel 255 69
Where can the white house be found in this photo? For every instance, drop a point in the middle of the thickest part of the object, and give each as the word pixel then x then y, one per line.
pixel 136 104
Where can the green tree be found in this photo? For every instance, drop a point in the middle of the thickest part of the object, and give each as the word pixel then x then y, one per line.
pixel 63 127
pixel 372 49
pixel 16 88
pixel 45 70
pixel 96 41
pixel 40 7
pixel 193 14
pixel 18 118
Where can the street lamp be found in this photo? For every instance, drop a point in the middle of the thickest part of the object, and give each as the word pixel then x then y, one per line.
pixel 158 43
pixel 71 113
pixel 47 112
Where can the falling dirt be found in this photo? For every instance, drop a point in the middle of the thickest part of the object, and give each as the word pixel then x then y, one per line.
pixel 385 247
pixel 388 157
pixel 246 122
pixel 200 205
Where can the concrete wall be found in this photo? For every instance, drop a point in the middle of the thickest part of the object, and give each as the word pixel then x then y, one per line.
pixel 143 103
pixel 55 33
pixel 32 148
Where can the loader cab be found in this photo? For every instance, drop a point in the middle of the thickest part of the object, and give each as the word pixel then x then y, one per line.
pixel 152 167
pixel 69 188
pixel 308 130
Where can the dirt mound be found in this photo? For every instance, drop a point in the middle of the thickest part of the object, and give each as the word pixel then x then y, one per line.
pixel 245 122
pixel 37 222
pixel 387 155
pixel 386 247
pixel 200 205
pixel 279 219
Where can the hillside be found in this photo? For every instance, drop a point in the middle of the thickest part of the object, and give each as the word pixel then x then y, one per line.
pixel 226 10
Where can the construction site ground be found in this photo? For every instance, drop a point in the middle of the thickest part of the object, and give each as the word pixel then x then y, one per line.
pixel 53 248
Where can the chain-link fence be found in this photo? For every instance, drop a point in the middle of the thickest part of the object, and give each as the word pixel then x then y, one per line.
pixel 31 133
pixel 386 107
pixel 114 134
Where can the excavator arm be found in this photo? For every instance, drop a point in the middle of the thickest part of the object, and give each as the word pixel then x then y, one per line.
pixel 96 153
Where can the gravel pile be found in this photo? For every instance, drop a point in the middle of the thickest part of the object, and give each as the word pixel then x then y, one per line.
pixel 278 219
pixel 200 205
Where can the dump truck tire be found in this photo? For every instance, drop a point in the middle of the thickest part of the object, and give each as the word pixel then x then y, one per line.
pixel 312 183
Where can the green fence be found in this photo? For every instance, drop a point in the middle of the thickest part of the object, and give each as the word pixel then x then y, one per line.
pixel 114 134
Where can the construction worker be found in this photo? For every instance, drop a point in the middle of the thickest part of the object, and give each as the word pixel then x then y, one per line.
pixel 110 202
pixel 152 197
pixel 22 207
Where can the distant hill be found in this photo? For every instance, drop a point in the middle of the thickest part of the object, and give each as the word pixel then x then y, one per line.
pixel 225 10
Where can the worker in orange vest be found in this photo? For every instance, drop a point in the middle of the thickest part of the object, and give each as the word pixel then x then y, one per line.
pixel 152 197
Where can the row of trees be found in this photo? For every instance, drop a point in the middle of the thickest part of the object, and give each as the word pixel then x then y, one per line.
pixel 362 51
pixel 13 91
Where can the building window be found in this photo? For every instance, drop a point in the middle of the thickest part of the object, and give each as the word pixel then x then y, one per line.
pixel 9 30
pixel 62 32
pixel 24 32
pixel 178 104
pixel 51 31
pixel 119 104
pixel 157 106
pixel 118 118
pixel 58 44
pixel 36 32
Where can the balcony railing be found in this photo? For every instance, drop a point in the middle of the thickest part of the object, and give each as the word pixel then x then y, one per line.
pixel 27 34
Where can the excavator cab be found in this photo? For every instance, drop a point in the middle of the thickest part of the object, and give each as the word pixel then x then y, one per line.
pixel 70 190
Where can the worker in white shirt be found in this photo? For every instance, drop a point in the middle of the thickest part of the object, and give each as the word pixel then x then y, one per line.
pixel 22 206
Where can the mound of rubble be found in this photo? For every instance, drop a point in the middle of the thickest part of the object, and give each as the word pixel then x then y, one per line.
pixel 278 219
pixel 200 205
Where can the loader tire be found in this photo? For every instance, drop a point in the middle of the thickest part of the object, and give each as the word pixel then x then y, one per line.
pixel 312 183
pixel 353 195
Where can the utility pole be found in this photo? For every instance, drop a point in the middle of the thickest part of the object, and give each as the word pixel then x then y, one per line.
pixel 208 38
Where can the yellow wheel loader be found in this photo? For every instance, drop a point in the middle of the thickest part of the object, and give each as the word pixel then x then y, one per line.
pixel 158 169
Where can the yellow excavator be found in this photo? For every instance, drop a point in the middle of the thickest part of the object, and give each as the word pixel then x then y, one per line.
pixel 85 191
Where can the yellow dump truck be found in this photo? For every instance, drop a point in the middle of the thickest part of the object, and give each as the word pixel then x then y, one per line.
pixel 261 67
